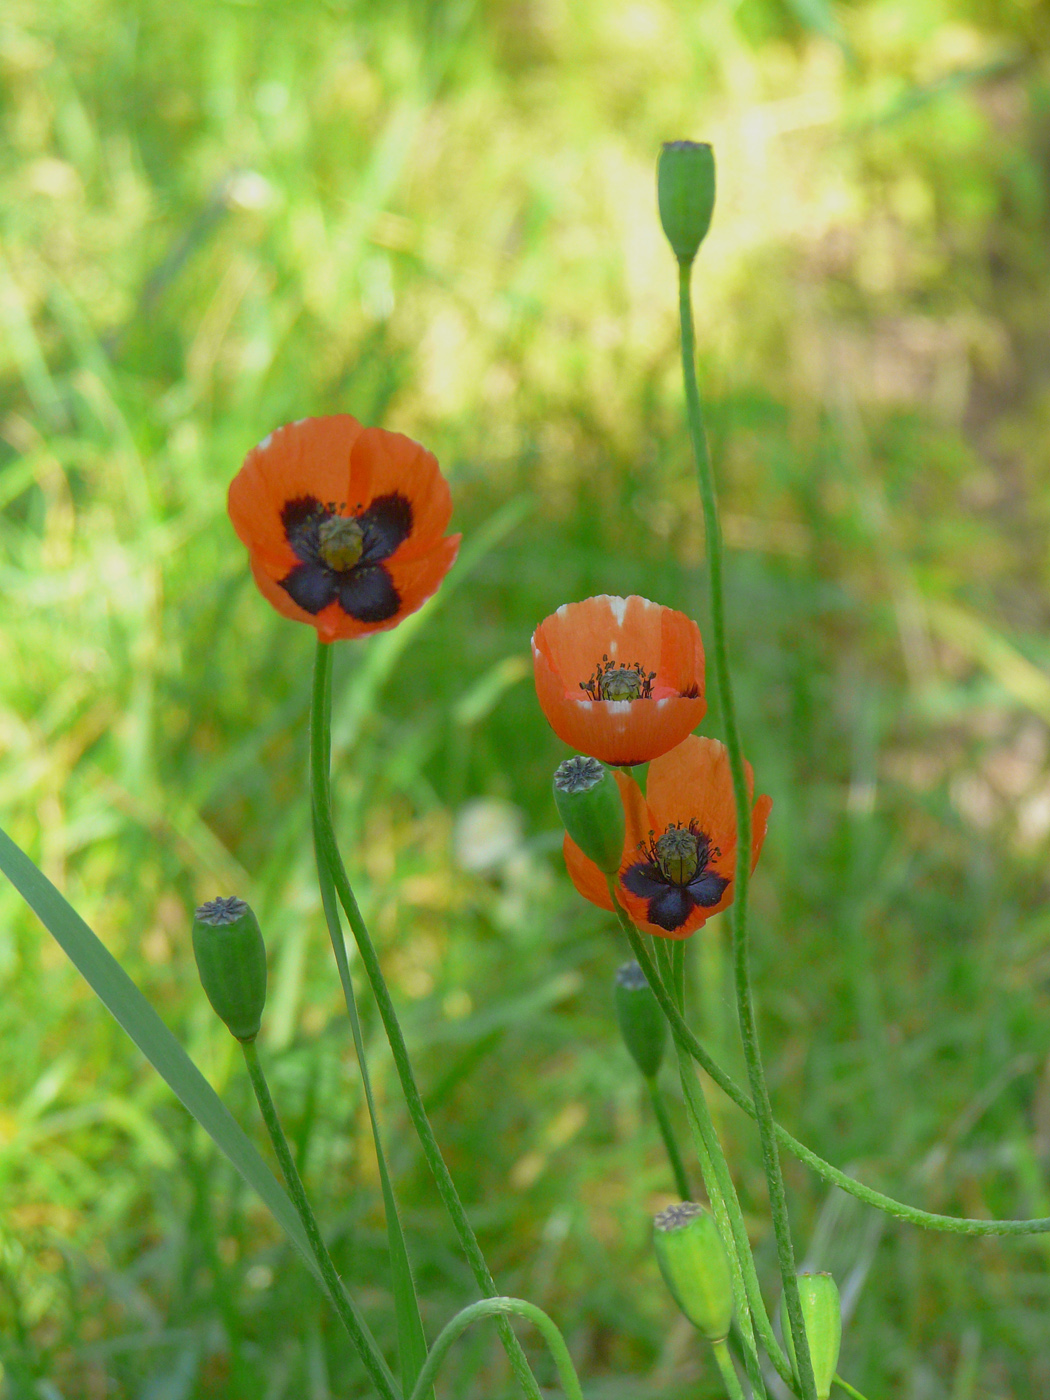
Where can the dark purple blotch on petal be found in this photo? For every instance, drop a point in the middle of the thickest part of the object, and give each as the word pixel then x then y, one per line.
pixel 365 591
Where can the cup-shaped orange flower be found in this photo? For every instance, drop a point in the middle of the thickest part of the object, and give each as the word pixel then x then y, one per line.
pixel 345 525
pixel 620 679
pixel 679 855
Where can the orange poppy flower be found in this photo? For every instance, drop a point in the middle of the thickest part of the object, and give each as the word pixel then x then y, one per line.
pixel 620 679
pixel 344 524
pixel 679 852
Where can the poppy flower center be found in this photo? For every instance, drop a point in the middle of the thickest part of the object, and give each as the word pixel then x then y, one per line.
pixel 677 855
pixel 340 542
pixel 613 682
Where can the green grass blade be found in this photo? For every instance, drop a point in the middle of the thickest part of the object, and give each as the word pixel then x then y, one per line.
pixel 115 989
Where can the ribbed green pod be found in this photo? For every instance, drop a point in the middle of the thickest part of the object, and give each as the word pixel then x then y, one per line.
pixel 693 1262
pixel 822 1314
pixel 685 188
pixel 591 810
pixel 231 960
pixel 642 1023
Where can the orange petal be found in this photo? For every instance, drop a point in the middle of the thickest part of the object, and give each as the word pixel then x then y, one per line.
pixel 307 458
pixel 394 463
pixel 576 637
pixel 416 579
pixel 693 783
pixel 568 647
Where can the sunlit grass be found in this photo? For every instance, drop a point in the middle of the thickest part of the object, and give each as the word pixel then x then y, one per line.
pixel 220 217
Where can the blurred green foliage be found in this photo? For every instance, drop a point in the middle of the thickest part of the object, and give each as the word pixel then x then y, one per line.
pixel 219 216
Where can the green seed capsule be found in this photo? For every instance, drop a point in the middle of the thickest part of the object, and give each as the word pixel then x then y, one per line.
pixel 591 810
pixel 642 1023
pixel 685 188
pixel 822 1315
pixel 693 1262
pixel 231 960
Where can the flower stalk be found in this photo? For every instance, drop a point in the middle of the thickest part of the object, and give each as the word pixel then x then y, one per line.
pixel 328 853
pixel 738 917
pixel 373 1362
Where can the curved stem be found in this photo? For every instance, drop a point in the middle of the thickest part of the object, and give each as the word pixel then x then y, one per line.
pixel 328 852
pixel 742 869
pixel 681 1181
pixel 927 1220
pixel 747 1296
pixel 374 1363
pixel 499 1308
pixel 849 1389
pixel 756 1318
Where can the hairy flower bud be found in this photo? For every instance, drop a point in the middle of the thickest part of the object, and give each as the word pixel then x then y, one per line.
pixel 642 1023
pixel 231 960
pixel 693 1262
pixel 591 809
pixel 685 188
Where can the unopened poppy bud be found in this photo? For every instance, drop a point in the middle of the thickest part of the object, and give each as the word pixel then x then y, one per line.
pixel 642 1023
pixel 822 1315
pixel 685 188
pixel 693 1262
pixel 591 809
pixel 231 960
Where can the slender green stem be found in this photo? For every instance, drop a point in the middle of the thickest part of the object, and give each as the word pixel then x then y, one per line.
pixel 729 1375
pixel 949 1224
pixel 499 1308
pixel 742 870
pixel 704 1127
pixel 681 1181
pixel 724 1203
pixel 374 1363
pixel 412 1343
pixel 328 853
pixel 849 1389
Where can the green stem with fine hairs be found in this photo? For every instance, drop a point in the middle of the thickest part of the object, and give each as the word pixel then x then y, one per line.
pixel 374 1363
pixel 674 1157
pixel 927 1220
pixel 849 1389
pixel 328 852
pixel 751 1307
pixel 725 1365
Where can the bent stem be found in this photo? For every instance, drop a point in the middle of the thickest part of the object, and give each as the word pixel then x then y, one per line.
pixel 500 1308
pixel 374 1363
pixel 328 853
pixel 878 1200
pixel 751 1309
pixel 742 870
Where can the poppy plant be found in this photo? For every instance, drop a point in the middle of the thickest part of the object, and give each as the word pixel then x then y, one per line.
pixel 620 679
pixel 679 854
pixel 344 524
